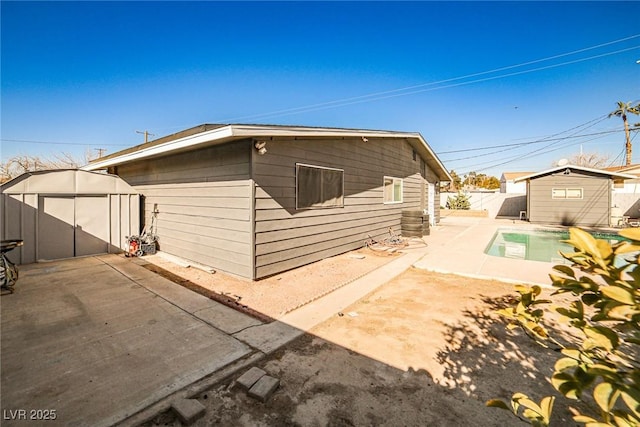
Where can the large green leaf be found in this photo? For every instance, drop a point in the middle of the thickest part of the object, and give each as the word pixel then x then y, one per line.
pixel 546 404
pixel 604 249
pixel 623 421
pixel 565 363
pixel 583 241
pixel 605 395
pixel 623 312
pixel 626 248
pixel 584 419
pixel 631 233
pixel 632 399
pixel 565 269
pixel 566 384
pixel 603 371
pixel 618 294
pixel 530 404
pixel 603 336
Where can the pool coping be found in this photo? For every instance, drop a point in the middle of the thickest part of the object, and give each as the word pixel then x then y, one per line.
pixel 457 244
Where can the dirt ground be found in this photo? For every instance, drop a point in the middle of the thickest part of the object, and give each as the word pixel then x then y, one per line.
pixel 277 295
pixel 425 349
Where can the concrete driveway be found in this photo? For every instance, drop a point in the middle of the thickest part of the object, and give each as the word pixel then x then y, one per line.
pixel 91 341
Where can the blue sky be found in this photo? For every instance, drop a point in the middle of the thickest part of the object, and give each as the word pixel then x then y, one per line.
pixel 88 75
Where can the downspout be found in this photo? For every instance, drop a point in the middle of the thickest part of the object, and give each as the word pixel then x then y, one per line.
pixel 252 212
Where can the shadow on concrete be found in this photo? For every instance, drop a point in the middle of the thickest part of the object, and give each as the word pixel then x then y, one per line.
pixel 104 341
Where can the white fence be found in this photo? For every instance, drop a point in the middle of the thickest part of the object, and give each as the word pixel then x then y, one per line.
pixel 511 204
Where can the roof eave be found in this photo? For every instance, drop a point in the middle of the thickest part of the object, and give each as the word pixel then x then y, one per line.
pixel 579 168
pixel 220 135
pixel 231 132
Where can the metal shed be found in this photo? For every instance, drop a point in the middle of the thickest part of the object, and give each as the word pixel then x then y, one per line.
pixel 68 213
pixel 571 195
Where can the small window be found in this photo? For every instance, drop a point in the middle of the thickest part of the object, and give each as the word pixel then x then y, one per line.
pixel 392 190
pixel 319 187
pixel 558 193
pixel 574 193
pixel 566 193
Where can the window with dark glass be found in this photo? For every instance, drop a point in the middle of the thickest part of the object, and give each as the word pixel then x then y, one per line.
pixel 319 187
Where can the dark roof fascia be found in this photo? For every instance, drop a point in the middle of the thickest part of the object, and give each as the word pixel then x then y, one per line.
pixel 210 134
pixel 611 175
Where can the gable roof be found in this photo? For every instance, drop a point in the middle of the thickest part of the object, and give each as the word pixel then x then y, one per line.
pixel 66 181
pixel 510 176
pixel 214 134
pixel 628 169
pixel 576 168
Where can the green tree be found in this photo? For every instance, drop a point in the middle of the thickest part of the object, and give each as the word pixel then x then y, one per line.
pixel 621 111
pixel 604 314
pixel 457 181
pixel 482 181
pixel 460 201
pixel 492 183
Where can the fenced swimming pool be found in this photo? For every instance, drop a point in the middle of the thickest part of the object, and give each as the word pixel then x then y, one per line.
pixel 537 245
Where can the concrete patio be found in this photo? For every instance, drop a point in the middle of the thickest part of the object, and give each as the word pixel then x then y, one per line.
pixel 97 339
pixel 102 340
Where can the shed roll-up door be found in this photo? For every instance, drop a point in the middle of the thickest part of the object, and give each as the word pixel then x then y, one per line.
pixel 72 226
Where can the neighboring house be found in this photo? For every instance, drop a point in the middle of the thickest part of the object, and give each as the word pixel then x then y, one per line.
pixel 256 200
pixel 67 213
pixel 571 195
pixel 508 182
pixel 629 186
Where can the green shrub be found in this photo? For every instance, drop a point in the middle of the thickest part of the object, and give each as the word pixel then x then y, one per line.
pixel 460 201
pixel 604 311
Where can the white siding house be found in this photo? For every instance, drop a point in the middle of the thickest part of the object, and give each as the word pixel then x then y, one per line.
pixel 508 184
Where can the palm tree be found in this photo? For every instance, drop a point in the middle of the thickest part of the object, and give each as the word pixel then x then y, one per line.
pixel 622 111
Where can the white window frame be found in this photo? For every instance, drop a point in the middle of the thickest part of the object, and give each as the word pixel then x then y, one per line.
pixel 394 181
pixel 572 197
pixel 558 193
pixel 570 193
pixel 341 205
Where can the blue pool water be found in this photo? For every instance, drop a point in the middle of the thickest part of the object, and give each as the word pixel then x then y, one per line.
pixel 536 245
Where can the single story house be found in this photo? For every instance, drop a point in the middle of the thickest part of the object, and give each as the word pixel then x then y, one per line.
pixel 256 200
pixel 571 195
pixel 508 182
pixel 67 213
pixel 629 186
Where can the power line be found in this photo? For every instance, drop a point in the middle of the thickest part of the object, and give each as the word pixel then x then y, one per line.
pixel 528 155
pixel 548 138
pixel 28 141
pixel 512 146
pixel 591 123
pixel 408 90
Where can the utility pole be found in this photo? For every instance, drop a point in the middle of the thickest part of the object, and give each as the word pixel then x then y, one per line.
pixel 100 151
pixel 146 135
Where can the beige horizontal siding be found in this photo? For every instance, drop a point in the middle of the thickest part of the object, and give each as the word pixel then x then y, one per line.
pixel 305 258
pixel 238 264
pixel 298 222
pixel 204 200
pixel 592 210
pixel 287 238
pixel 276 235
pixel 319 238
